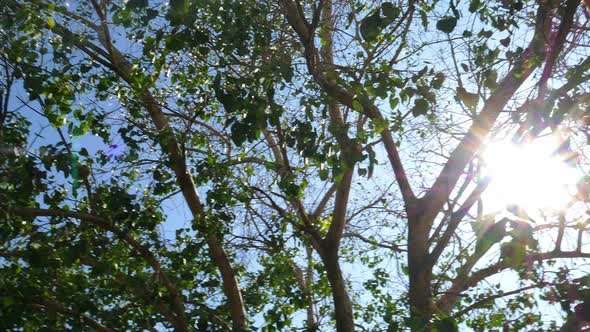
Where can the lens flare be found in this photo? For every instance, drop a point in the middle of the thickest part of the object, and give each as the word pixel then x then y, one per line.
pixel 536 176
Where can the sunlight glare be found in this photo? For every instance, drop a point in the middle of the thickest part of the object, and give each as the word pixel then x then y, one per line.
pixel 532 175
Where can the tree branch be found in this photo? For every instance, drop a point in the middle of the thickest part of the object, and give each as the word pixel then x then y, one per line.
pixel 456 218
pixel 495 297
pixel 381 244
pixel 323 202
pixel 460 284
pixel 121 65
pixel 58 307
pixel 347 97
pixel 439 193
pixel 572 324
pixel 555 44
pixel 339 130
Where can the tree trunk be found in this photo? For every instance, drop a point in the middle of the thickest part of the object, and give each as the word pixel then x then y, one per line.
pixel 311 323
pixel 420 270
pixel 342 303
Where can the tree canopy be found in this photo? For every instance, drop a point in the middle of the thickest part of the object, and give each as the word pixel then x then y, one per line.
pixel 282 165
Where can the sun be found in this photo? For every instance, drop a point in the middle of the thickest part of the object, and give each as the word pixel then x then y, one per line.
pixel 536 176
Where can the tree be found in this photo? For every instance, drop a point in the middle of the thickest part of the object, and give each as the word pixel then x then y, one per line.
pixel 298 140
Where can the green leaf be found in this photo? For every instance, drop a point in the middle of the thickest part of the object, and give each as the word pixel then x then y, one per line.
pixel 405 270
pixel 390 11
pixel 415 323
pixel 7 301
pixel 393 102
pixel 489 235
pixel 491 78
pixel 380 125
pixel 362 171
pixel 421 107
pixel 356 105
pixel 513 253
pixel 447 324
pixel 437 81
pixel 447 24
pixel 50 23
pixel 323 174
pixel 136 4
pixel 286 71
pixel 83 171
pixel 485 33
pixel 505 41
pixel 474 5
pixel 423 18
pixel 83 152
pixel 238 133
pixel 467 98
pixel 151 14
pixel 175 43
pixel 33 85
pixel 78 131
pixel 178 13
pixel 371 27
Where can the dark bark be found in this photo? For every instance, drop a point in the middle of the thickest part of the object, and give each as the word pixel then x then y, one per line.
pixel 420 271
pixel 342 304
pixel 572 324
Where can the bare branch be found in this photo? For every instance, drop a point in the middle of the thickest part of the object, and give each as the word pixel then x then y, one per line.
pixel 499 295
pixel 381 244
pixel 323 202
pixel 462 283
pixel 456 219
